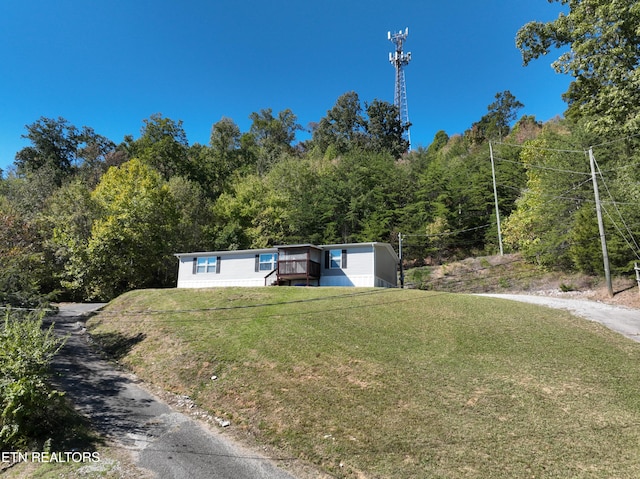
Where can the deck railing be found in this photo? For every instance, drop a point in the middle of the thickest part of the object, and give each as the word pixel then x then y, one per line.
pixel 299 267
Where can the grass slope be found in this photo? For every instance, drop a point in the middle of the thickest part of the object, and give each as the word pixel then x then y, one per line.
pixel 393 383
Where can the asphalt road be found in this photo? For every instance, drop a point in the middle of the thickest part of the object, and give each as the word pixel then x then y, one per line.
pixel 162 440
pixel 625 321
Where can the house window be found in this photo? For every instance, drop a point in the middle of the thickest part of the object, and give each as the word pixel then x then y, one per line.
pixel 268 261
pixel 335 259
pixel 207 265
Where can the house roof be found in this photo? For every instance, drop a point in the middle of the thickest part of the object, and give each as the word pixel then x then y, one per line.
pixel 274 249
pixel 302 245
pixel 228 252
pixel 374 244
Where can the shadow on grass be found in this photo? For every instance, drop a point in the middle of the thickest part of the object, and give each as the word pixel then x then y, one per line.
pixel 61 429
pixel 73 432
pixel 116 345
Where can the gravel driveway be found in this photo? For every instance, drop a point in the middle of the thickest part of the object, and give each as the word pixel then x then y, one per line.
pixel 625 321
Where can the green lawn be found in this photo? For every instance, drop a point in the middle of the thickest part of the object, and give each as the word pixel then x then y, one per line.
pixel 394 383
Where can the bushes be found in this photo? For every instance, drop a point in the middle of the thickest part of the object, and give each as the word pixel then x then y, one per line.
pixel 28 405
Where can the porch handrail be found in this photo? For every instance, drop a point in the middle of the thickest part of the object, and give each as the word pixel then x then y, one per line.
pixel 275 270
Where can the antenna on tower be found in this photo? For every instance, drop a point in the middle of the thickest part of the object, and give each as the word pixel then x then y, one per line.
pixel 399 60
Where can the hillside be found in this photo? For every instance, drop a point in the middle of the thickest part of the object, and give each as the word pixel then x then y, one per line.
pixel 391 383
pixel 511 274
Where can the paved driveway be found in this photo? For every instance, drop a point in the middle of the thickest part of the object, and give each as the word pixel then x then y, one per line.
pixel 164 441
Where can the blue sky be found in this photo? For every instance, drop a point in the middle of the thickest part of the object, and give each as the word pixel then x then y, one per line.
pixel 111 64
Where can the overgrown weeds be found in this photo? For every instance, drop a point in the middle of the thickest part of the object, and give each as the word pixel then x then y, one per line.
pixel 31 411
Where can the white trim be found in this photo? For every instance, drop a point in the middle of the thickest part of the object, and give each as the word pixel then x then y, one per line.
pixel 220 283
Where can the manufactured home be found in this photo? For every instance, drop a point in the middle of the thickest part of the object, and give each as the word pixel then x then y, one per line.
pixel 355 264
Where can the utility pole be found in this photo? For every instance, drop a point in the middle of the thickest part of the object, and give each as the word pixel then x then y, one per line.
pixel 400 256
pixel 603 240
pixel 495 195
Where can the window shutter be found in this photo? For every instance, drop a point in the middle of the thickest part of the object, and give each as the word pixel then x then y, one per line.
pixel 218 265
pixel 195 265
pixel 257 263
pixel 344 258
pixel 327 260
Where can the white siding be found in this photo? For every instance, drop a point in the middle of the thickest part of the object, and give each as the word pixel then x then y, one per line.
pixel 236 269
pixel 367 264
pixel 360 267
pixel 386 266
pixel 360 281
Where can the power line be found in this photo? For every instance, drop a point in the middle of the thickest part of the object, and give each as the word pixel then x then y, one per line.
pixel 618 140
pixel 542 148
pixel 635 250
pixel 446 233
pixel 540 167
pixel 622 235
pixel 216 308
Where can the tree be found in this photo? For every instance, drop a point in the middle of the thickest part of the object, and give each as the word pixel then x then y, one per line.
pixel 69 217
pixel 225 137
pixel 21 258
pixel 384 129
pixel 163 145
pixel 603 58
pixel 272 135
pixel 364 191
pixel 251 215
pixel 60 149
pixel 95 151
pixel 227 153
pixel 342 127
pixel 195 220
pixel 496 123
pixel 53 146
pixel 132 238
pixel 558 185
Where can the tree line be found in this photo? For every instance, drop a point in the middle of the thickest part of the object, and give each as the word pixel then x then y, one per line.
pixel 82 217
pixel 88 219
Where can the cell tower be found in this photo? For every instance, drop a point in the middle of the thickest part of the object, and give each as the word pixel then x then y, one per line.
pixel 399 60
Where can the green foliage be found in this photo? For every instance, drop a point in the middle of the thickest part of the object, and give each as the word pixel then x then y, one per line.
pixel 61 149
pixel 69 216
pixel 496 123
pixel 252 215
pixel 346 129
pixel 162 145
pixel 132 238
pixel 384 129
pixel 603 56
pixel 82 220
pixel 585 249
pixel 554 223
pixel 21 258
pixel 342 127
pixel 230 153
pixel 194 215
pixel 29 407
pixel 272 136
pixel 557 186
